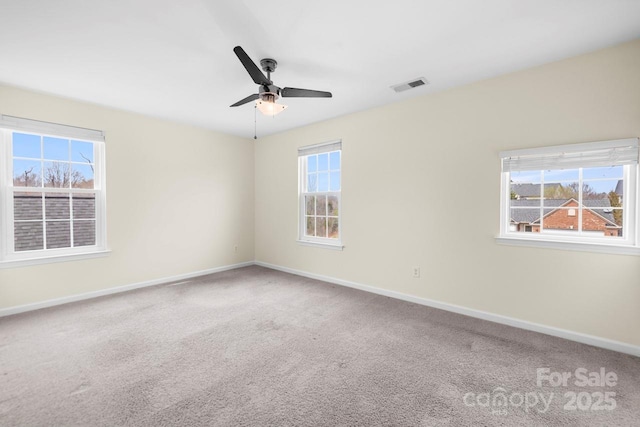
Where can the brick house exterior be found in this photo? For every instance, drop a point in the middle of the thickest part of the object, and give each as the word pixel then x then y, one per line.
pixel 564 216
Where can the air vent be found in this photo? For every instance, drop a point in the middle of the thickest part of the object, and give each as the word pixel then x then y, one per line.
pixel 421 81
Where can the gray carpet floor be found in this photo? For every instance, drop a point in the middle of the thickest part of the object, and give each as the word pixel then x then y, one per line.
pixel 257 347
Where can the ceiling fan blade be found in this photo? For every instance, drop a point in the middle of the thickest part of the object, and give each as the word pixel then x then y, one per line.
pixel 245 100
pixel 292 92
pixel 251 67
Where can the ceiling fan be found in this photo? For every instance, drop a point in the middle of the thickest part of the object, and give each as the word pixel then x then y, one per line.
pixel 268 93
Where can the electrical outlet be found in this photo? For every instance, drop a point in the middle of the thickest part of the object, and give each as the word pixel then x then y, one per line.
pixel 416 272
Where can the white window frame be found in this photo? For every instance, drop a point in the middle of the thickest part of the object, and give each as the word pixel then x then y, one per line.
pixel 303 239
pixel 8 256
pixel 623 152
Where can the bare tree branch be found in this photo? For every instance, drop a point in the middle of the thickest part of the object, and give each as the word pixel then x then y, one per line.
pixel 88 161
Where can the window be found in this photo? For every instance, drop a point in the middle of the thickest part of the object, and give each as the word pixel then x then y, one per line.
pixel 52 191
pixel 578 193
pixel 320 176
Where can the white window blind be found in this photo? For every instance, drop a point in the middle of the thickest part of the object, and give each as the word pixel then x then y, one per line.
pixel 18 123
pixel 598 154
pixel 319 148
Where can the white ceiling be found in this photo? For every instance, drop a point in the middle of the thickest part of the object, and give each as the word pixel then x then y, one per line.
pixel 174 59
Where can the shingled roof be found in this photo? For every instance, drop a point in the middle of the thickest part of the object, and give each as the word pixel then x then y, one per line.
pixel 532 216
pixel 531 190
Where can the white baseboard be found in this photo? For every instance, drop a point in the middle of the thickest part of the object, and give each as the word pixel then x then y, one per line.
pixel 505 320
pixel 608 344
pixel 88 295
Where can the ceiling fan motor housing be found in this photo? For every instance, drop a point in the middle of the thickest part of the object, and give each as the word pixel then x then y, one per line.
pixel 269 93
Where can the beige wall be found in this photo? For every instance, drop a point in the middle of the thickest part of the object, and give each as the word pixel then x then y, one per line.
pixel 403 206
pixel 179 199
pixel 414 170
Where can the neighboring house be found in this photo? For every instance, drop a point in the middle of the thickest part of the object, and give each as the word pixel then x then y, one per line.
pixel 531 191
pixel 562 214
pixel 619 189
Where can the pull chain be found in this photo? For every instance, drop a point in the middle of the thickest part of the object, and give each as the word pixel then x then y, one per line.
pixel 255 133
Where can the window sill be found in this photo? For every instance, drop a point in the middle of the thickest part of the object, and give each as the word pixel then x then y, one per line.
pixel 335 247
pixel 52 259
pixel 570 246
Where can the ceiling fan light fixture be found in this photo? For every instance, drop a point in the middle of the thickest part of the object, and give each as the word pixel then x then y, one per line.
pixel 269 108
